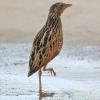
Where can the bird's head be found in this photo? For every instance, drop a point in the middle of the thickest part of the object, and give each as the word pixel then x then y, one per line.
pixel 58 8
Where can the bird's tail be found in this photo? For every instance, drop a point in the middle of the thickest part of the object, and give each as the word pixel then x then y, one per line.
pixel 32 71
pixel 29 74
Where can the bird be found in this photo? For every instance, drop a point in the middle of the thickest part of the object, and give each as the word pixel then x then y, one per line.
pixel 47 43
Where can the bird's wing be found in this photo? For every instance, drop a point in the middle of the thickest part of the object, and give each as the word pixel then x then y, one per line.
pixel 45 47
pixel 36 58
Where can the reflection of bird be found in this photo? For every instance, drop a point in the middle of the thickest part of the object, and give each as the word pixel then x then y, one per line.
pixel 48 42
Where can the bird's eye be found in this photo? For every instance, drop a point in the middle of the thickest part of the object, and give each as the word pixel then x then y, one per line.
pixel 61 6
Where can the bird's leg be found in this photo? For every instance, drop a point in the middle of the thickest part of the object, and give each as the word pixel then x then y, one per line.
pixel 40 84
pixel 51 70
pixel 41 93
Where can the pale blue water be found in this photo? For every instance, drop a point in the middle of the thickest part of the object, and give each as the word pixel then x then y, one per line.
pixel 74 63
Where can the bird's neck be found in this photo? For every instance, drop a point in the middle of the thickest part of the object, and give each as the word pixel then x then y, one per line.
pixel 54 21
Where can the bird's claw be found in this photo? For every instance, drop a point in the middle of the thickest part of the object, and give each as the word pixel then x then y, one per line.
pixel 51 71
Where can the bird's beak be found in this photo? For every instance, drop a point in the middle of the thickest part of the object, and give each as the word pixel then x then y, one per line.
pixel 67 5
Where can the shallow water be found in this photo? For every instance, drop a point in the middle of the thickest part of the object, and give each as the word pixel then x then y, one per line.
pixel 77 68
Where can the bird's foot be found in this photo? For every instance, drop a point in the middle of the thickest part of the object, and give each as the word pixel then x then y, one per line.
pixel 50 70
pixel 45 94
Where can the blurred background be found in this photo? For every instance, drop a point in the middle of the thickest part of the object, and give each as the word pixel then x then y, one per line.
pixel 20 20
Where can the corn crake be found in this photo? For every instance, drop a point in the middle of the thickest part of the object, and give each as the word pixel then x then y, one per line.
pixel 47 43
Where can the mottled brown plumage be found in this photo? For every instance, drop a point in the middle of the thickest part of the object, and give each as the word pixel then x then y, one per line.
pixel 48 42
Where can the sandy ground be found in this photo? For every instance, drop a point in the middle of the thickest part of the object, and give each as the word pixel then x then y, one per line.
pixel 77 68
pixel 20 20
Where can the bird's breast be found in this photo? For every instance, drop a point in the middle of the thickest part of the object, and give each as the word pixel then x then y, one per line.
pixel 55 45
